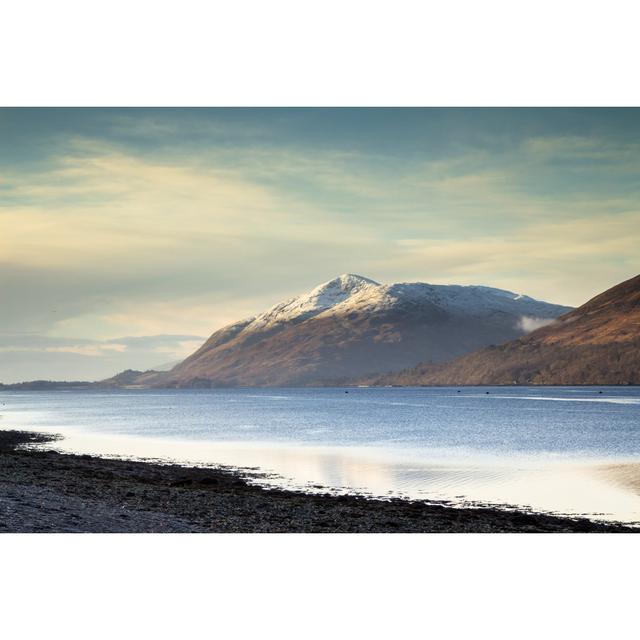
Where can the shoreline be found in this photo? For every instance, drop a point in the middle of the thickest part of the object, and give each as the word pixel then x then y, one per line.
pixel 46 491
pixel 81 385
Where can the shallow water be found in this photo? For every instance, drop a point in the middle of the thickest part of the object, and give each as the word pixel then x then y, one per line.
pixel 538 447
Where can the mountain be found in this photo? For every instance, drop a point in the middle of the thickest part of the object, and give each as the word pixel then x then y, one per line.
pixel 352 326
pixel 132 378
pixel 165 366
pixel 597 343
pixel 47 385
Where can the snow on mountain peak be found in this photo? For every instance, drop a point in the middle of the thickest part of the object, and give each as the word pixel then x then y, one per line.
pixel 349 292
pixel 341 287
pixel 321 298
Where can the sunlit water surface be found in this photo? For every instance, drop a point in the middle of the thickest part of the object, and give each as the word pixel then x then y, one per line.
pixel 548 449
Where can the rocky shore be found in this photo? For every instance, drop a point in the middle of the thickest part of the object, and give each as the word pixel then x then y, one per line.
pixel 47 491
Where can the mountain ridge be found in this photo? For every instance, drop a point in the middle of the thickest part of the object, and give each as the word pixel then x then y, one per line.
pixel 351 326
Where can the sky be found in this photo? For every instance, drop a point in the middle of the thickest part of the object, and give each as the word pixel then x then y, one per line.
pixel 127 236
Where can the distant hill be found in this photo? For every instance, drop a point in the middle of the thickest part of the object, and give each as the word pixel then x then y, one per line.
pixel 46 385
pixel 352 326
pixel 129 378
pixel 597 343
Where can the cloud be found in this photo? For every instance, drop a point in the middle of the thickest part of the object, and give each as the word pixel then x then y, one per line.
pixel 96 350
pixel 28 356
pixel 563 261
pixel 576 148
pixel 529 323
pixel 103 232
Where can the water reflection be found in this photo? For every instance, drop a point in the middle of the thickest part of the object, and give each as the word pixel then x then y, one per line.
pixel 586 488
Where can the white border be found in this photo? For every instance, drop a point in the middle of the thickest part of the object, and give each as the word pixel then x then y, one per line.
pixel 313 53
pixel 310 586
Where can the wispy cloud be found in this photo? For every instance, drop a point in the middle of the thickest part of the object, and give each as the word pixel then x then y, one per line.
pixel 97 350
pixel 28 356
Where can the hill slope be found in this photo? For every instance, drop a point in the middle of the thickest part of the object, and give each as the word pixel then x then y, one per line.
pixel 597 343
pixel 352 326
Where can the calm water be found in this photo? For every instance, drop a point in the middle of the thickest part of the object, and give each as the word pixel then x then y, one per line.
pixel 546 448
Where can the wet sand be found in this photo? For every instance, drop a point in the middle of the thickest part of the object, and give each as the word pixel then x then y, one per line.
pixel 48 491
pixel 625 475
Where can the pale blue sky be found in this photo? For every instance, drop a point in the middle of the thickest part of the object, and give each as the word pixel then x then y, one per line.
pixel 173 222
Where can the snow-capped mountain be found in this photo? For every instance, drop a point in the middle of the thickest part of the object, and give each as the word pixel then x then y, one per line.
pixel 352 326
pixel 352 293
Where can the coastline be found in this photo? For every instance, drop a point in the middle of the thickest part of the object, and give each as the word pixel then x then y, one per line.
pixel 47 491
